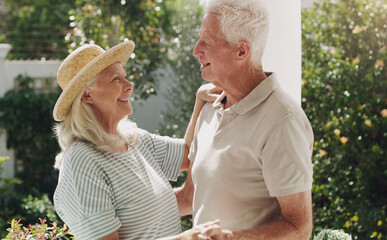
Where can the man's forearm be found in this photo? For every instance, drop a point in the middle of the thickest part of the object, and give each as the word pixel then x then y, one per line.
pixel 276 231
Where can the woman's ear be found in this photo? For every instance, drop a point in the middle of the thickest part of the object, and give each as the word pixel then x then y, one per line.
pixel 244 49
pixel 86 97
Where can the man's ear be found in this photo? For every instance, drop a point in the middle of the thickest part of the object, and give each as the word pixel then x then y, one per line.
pixel 244 49
pixel 86 97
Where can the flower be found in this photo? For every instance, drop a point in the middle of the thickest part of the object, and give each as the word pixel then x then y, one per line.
pixel 329 234
pixel 368 123
pixel 356 60
pixel 359 29
pixel 380 223
pixel 322 152
pixel 343 140
pixel 355 218
pixel 337 132
pixel 379 63
pixel 384 113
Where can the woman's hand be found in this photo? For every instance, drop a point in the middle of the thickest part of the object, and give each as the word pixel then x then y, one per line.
pixel 208 92
pixel 207 231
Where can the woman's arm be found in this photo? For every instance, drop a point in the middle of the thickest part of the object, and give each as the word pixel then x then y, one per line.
pixel 206 93
pixel 113 236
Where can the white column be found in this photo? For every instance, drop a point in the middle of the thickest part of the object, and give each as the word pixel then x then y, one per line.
pixel 4 49
pixel 283 51
pixel 8 166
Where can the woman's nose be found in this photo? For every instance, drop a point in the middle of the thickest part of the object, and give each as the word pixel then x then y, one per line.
pixel 128 86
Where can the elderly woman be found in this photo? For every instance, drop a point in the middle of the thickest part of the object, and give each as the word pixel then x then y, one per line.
pixel 113 181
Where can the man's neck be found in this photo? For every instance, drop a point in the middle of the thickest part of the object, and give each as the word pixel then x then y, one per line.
pixel 246 84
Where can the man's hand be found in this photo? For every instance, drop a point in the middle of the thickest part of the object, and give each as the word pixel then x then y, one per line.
pixel 207 231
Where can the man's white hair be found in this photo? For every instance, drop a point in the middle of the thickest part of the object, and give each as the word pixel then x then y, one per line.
pixel 82 125
pixel 242 20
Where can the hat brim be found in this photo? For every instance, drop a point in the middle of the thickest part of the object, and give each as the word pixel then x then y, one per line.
pixel 119 53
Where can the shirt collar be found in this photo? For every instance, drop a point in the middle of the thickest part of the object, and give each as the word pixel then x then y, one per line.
pixel 253 99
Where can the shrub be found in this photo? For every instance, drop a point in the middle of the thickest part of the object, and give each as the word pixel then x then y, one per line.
pixel 344 96
pixel 329 234
pixel 29 133
pixel 39 231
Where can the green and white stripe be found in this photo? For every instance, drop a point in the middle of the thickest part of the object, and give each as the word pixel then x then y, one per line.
pixel 101 192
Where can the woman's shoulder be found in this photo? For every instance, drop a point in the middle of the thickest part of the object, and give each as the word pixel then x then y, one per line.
pixel 80 153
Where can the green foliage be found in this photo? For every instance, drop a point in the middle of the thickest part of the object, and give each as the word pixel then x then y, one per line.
pixel 27 117
pixel 38 231
pixel 344 96
pixel 181 95
pixel 107 23
pixel 6 194
pixel 36 207
pixel 329 234
pixel 36 29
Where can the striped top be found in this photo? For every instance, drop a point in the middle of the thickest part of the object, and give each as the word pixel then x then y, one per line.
pixel 99 193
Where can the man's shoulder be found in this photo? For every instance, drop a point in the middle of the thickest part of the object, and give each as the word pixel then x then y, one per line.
pixel 283 102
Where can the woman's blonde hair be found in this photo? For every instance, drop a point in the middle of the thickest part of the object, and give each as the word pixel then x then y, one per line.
pixel 81 124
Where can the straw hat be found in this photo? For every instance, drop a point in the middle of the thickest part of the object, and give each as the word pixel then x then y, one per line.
pixel 80 67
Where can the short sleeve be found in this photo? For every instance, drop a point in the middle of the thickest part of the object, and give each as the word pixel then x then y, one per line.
pixel 286 157
pixel 83 198
pixel 167 152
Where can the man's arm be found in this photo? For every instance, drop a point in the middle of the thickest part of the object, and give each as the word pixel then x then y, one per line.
pixel 296 222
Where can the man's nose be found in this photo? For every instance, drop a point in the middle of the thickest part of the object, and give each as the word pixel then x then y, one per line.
pixel 196 51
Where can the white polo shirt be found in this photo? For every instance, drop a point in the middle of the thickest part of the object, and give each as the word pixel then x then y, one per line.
pixel 247 155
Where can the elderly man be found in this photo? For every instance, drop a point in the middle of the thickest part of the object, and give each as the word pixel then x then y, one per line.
pixel 251 155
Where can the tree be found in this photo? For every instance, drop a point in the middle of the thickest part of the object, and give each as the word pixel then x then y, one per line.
pixel 344 96
pixel 36 29
pixel 106 23
pixel 186 68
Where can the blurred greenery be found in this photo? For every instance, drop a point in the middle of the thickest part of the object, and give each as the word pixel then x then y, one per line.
pixel 36 29
pixel 344 96
pixel 109 22
pixel 29 133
